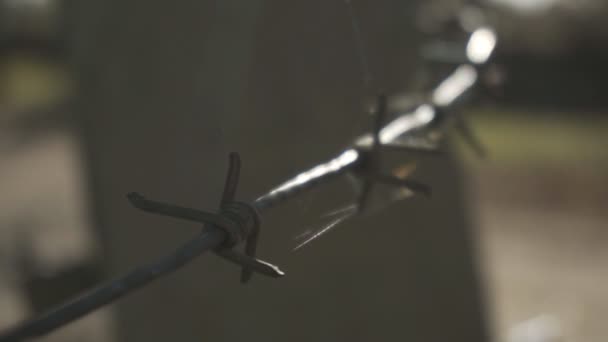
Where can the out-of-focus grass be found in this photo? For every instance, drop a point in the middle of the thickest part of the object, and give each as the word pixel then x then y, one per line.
pixel 527 137
pixel 30 81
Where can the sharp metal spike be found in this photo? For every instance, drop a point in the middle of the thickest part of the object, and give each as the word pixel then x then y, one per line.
pixel 232 178
pixel 380 114
pixel 250 250
pixel 257 265
pixel 166 209
pixel 414 186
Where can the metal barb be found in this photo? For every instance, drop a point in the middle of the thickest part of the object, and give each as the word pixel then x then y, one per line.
pixel 232 178
pixel 373 159
pixel 239 220
pixel 372 163
pixel 236 222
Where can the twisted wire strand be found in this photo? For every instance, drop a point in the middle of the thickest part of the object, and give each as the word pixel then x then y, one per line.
pixel 424 123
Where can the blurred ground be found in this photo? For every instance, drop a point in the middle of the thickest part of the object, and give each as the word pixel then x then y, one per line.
pixel 540 205
pixel 48 250
pixel 45 232
pixel 544 256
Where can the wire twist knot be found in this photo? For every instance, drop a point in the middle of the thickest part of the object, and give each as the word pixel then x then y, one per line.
pixel 240 221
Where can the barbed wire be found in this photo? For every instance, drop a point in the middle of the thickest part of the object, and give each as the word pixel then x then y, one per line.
pixel 418 132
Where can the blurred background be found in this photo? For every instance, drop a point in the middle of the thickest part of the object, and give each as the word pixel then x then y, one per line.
pixel 100 98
